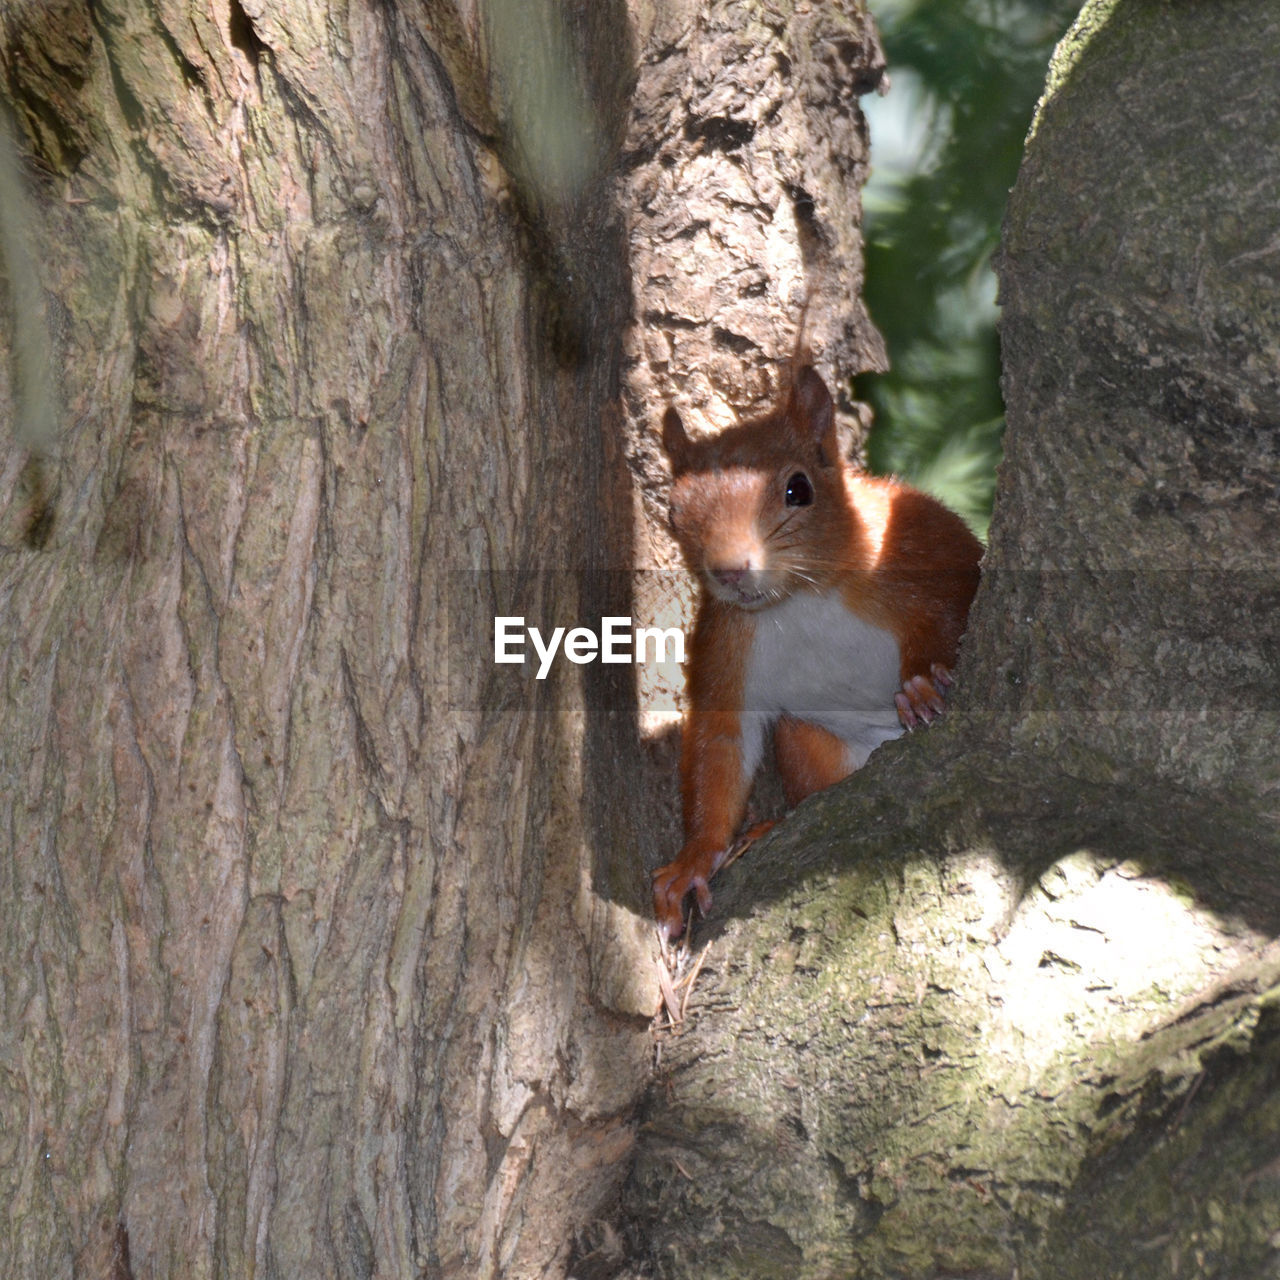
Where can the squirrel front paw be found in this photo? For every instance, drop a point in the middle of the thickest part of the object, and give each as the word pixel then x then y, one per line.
pixel 672 884
pixel 923 698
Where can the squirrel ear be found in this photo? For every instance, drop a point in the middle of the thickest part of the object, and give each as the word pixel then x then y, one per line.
pixel 675 440
pixel 809 405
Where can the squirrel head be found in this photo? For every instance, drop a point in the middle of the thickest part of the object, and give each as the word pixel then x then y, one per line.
pixel 761 510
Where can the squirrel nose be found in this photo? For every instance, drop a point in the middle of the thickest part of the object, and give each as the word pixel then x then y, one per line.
pixel 730 577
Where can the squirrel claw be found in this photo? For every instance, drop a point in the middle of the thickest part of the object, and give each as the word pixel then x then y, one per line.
pixel 922 699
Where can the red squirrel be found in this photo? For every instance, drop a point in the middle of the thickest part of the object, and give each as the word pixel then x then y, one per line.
pixel 831 609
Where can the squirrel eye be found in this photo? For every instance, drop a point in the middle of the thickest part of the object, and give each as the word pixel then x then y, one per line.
pixel 799 490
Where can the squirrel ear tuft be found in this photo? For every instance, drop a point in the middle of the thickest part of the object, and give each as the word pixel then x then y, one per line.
pixel 675 440
pixel 809 406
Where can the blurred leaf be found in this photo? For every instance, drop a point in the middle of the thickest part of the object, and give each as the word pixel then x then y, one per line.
pixel 971 71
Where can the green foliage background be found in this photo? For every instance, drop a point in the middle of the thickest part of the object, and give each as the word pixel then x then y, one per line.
pixel 945 148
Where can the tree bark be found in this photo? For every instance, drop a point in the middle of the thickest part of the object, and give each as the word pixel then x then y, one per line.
pixel 324 938
pixel 1003 1004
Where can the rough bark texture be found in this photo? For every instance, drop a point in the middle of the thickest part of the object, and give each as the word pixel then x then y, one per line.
pixel 321 939
pixel 1004 1004
pixel 325 949
pixel 746 156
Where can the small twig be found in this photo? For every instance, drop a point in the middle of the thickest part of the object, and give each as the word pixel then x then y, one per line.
pixel 669 1001
pixel 745 841
pixel 692 978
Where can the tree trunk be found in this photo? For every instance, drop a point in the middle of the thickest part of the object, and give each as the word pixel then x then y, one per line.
pixel 325 939
pixel 1004 1003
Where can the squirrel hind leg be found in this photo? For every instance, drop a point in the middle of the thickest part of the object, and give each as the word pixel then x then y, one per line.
pixel 809 758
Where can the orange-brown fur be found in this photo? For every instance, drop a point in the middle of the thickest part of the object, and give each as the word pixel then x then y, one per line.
pixel 899 559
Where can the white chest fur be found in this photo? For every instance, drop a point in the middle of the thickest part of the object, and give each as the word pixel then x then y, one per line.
pixel 813 659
